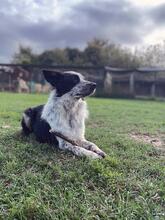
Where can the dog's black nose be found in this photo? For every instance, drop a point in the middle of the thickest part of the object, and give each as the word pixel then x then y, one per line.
pixel 93 85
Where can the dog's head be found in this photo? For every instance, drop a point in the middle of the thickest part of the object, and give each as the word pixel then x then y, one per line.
pixel 69 82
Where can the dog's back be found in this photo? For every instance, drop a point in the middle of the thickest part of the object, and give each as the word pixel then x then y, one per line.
pixel 33 123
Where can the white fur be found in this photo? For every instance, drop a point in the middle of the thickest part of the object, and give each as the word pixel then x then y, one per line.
pixel 27 120
pixel 66 115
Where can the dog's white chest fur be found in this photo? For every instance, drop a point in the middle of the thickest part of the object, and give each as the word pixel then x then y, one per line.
pixel 66 115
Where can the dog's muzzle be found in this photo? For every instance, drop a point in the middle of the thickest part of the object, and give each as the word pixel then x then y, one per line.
pixel 92 88
pixel 85 89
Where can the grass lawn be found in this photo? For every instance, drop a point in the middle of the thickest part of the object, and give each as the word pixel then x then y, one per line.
pixel 40 182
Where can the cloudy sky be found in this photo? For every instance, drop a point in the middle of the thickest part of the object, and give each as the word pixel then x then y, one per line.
pixel 45 24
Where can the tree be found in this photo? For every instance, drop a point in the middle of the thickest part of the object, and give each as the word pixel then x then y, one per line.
pixel 102 52
pixel 74 55
pixel 152 55
pixel 52 57
pixel 24 56
pixel 97 52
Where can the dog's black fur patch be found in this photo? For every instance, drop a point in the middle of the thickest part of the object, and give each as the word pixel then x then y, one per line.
pixel 62 82
pixel 38 126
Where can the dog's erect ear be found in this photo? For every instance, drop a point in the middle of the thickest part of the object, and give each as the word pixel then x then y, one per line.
pixel 53 76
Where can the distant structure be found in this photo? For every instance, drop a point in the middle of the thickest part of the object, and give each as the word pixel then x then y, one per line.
pixel 15 78
pixel 111 82
pixel 135 83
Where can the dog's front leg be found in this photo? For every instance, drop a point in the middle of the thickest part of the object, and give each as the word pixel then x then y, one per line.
pixel 76 150
pixel 92 147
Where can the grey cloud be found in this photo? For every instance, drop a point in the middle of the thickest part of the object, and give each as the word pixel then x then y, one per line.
pixel 110 12
pixel 10 35
pixel 119 21
pixel 157 14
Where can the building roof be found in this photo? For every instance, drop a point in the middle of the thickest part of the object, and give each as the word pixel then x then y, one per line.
pixel 140 69
pixel 150 69
pixel 116 69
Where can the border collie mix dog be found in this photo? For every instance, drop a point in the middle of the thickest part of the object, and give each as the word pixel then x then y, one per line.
pixel 65 112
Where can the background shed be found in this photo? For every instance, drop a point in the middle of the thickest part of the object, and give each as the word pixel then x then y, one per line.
pixel 139 82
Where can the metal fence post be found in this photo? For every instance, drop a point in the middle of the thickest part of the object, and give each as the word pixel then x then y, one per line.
pixel 153 87
pixel 132 84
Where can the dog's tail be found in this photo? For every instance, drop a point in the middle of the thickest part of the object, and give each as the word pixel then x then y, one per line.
pixel 26 122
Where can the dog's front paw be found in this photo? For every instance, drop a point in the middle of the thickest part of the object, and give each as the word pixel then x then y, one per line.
pixel 97 150
pixel 101 153
pixel 93 155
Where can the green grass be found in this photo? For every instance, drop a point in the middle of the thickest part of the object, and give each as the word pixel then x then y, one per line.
pixel 40 182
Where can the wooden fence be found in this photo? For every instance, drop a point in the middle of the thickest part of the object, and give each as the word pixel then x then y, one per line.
pixel 29 78
pixel 111 82
pixel 140 82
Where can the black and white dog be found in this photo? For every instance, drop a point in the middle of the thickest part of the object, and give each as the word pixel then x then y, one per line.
pixel 65 112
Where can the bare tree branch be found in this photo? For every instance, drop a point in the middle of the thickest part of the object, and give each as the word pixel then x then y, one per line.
pixel 58 134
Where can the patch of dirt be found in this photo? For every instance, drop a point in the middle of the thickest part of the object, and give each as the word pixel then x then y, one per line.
pixel 156 141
